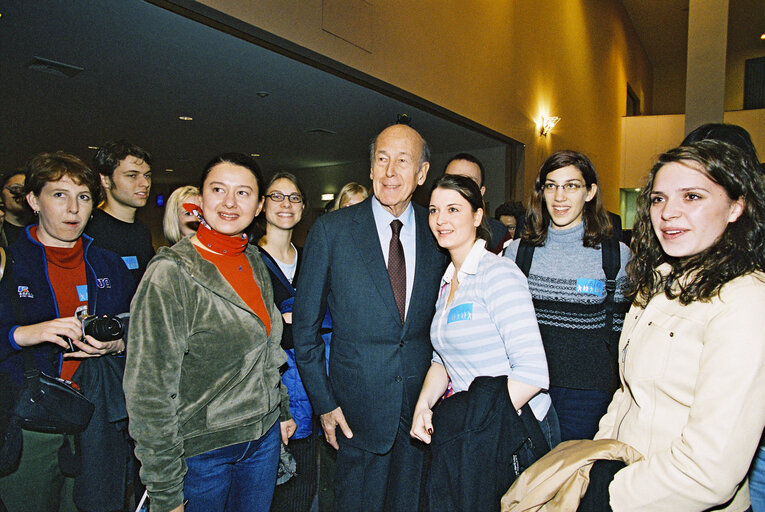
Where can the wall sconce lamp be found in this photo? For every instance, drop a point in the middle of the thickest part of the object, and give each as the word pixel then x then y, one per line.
pixel 548 123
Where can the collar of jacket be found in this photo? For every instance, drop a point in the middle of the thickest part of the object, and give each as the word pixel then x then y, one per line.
pixel 207 275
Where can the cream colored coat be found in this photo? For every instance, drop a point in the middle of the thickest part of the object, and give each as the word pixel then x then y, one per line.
pixel 691 400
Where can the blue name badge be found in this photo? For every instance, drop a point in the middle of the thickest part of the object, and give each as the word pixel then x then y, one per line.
pixel 461 312
pixel 131 262
pixel 82 292
pixel 590 287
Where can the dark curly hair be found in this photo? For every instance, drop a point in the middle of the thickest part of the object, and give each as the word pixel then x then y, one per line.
pixel 597 224
pixel 740 250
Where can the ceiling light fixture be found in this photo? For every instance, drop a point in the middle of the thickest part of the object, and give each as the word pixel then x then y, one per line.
pixel 322 131
pixel 762 36
pixel 185 118
pixel 255 154
pixel 169 170
pixel 548 123
pixel 263 94
pixel 54 67
pixel 94 148
pixel 327 197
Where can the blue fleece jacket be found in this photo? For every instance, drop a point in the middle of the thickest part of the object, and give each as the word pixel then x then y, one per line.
pixel 110 288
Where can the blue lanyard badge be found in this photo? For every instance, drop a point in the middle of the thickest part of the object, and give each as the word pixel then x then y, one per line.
pixel 131 262
pixel 590 287
pixel 82 292
pixel 461 312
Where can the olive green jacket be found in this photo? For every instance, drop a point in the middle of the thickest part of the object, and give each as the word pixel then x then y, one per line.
pixel 201 371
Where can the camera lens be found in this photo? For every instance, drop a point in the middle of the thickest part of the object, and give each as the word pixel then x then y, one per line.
pixel 103 328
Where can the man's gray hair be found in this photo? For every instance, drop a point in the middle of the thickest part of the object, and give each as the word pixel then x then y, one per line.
pixel 424 150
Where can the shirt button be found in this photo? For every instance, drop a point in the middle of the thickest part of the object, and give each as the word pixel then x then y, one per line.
pixel 398 378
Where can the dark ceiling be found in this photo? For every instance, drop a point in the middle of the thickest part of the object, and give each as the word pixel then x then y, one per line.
pixel 143 67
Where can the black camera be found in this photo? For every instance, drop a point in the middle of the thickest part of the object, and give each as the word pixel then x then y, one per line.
pixel 105 328
pixel 102 328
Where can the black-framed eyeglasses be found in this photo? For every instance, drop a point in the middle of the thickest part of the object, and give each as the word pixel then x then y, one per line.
pixel 279 197
pixel 568 188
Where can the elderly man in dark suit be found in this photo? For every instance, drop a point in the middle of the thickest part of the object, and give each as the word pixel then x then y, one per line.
pixel 378 268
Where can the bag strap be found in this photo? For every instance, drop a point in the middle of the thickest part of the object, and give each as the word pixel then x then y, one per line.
pixel 30 368
pixel 275 270
pixel 524 256
pixel 609 249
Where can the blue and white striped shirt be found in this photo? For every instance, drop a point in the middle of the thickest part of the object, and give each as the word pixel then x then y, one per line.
pixel 490 327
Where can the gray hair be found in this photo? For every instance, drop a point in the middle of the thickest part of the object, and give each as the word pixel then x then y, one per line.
pixel 424 149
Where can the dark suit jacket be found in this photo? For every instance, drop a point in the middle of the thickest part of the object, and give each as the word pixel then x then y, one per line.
pixel 375 361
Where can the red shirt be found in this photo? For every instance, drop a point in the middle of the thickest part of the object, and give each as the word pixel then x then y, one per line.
pixel 237 271
pixel 66 273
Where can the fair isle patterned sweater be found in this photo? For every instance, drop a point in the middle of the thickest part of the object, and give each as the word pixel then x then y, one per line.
pixel 567 283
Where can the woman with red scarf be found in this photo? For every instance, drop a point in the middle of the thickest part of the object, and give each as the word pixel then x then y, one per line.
pixel 204 394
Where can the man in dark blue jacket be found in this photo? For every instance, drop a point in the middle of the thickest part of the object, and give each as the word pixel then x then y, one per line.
pixel 378 268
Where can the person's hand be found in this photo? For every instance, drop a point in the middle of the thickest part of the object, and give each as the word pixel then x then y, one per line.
pixel 422 424
pixel 287 428
pixel 91 347
pixel 287 317
pixel 50 332
pixel 330 421
pixel 179 508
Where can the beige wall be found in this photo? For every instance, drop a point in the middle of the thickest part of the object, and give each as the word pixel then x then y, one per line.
pixel 500 64
pixel 647 137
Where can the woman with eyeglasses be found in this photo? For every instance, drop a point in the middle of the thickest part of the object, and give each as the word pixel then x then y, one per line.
pixel 565 227
pixel 283 209
pixel 202 382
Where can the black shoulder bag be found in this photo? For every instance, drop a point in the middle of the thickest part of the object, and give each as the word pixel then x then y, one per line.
pixel 44 403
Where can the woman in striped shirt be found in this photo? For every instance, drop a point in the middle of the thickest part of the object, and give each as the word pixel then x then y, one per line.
pixel 484 323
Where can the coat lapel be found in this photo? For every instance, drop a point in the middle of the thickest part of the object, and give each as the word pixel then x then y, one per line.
pixel 422 263
pixel 368 244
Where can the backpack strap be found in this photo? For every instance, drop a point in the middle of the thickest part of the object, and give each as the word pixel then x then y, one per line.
pixel 609 250
pixel 524 256
pixel 275 270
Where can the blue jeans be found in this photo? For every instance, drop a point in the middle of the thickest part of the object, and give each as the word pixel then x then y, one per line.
pixel 551 427
pixel 236 478
pixel 579 411
pixel 757 480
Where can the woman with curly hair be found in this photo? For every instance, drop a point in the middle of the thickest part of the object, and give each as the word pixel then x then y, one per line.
pixel 692 349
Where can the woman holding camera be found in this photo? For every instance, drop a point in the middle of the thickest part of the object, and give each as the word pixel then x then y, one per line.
pixel 52 273
pixel 202 382
pixel 692 350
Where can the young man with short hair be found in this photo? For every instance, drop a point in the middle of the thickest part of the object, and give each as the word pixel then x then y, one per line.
pixel 125 171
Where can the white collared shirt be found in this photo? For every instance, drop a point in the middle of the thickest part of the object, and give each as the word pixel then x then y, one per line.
pixel 408 238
